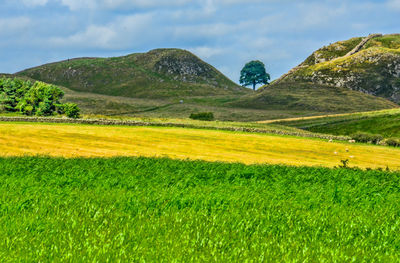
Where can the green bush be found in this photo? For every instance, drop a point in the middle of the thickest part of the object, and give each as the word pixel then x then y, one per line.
pixel 395 142
pixel 37 98
pixel 203 116
pixel 71 110
pixel 367 138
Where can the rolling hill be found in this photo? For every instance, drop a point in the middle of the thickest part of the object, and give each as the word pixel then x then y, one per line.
pixel 153 84
pixel 160 73
pixel 370 65
pixel 360 74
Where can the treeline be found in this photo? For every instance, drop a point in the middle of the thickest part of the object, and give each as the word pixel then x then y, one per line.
pixel 38 98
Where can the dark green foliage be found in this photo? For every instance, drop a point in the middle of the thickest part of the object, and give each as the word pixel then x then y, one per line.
pixel 71 110
pixel 160 210
pixel 12 92
pixel 366 137
pixel 203 116
pixel 29 98
pixel 395 142
pixel 254 73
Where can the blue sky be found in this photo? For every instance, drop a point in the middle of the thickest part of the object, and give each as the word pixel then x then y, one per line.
pixel 225 33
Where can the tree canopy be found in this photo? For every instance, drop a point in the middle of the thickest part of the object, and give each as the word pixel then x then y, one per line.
pixel 38 98
pixel 254 73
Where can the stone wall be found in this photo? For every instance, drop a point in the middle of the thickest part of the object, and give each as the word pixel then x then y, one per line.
pixel 362 44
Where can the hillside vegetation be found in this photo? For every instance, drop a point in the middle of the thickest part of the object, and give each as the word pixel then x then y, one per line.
pixel 385 123
pixel 312 97
pixel 77 140
pixel 173 83
pixel 373 67
pixel 160 73
pixel 139 210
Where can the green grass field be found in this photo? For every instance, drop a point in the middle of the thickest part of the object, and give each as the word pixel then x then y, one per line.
pixel 385 123
pixel 160 210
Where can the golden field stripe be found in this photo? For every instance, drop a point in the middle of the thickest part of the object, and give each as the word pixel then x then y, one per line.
pixel 70 140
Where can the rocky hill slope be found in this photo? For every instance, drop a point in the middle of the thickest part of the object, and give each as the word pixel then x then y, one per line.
pixel 370 65
pixel 160 73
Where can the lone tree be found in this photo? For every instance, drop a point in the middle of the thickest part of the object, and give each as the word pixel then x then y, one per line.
pixel 254 73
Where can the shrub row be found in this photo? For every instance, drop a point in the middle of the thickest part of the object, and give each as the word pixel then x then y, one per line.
pixel 367 138
pixel 395 142
pixel 203 116
pixel 375 139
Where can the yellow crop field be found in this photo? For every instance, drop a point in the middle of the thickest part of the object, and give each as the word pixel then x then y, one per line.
pixel 68 140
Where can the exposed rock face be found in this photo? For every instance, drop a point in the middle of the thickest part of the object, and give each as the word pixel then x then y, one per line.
pixel 371 66
pixel 187 68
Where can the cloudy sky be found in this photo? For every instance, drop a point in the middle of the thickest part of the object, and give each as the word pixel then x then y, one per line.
pixel 225 33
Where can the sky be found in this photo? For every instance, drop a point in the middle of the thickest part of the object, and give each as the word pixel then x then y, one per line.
pixel 225 33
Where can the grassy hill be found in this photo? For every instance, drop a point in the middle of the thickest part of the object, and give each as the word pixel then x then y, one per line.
pixel 347 76
pixel 160 73
pixel 153 84
pixel 312 97
pixel 385 123
pixel 370 65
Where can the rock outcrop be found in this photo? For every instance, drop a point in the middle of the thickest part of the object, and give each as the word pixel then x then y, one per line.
pixel 370 65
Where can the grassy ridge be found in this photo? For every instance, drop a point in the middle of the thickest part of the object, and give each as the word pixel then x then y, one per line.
pixel 373 70
pixel 385 123
pixel 73 140
pixel 160 73
pixel 163 210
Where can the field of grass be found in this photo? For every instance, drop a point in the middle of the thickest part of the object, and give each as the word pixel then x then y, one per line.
pixel 160 210
pixel 385 123
pixel 168 122
pixel 71 140
pixel 97 104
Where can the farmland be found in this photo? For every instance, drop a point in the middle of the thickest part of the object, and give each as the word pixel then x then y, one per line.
pixel 385 123
pixel 72 140
pixel 140 209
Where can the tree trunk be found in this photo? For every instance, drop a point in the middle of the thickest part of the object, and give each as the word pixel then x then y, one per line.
pixel 254 85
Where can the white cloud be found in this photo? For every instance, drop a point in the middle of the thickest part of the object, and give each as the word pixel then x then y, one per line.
pixel 209 6
pixel 124 32
pixel 118 4
pixel 206 52
pixel 394 4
